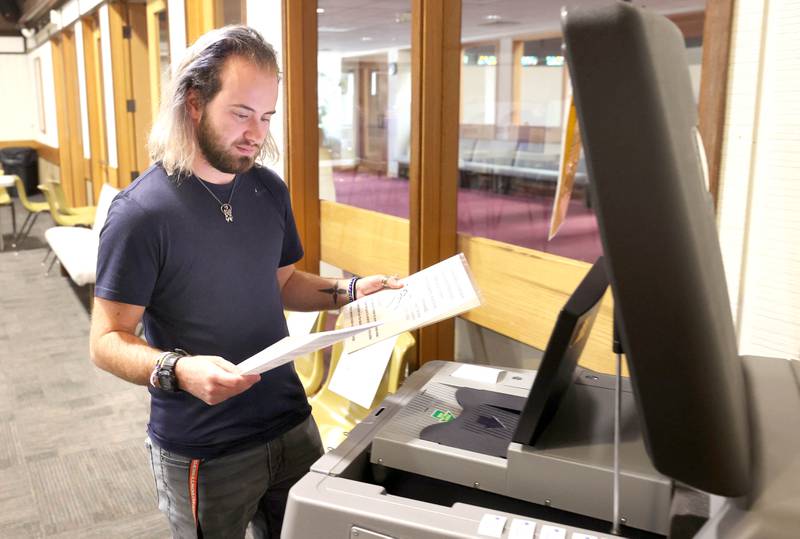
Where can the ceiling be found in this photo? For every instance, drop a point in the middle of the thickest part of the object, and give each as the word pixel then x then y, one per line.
pixel 31 12
pixel 360 26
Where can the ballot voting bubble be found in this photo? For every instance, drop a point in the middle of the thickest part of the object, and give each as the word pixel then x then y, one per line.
pixel 492 525
pixel 521 529
pixel 443 415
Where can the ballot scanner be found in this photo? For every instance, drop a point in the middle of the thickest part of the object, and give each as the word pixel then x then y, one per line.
pixel 708 440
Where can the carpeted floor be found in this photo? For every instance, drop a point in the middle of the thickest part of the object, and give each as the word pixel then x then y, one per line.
pixel 72 459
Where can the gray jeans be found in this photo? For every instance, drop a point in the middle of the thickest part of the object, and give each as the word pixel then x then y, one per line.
pixel 250 486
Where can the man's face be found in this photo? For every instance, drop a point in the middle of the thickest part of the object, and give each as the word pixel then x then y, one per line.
pixel 232 127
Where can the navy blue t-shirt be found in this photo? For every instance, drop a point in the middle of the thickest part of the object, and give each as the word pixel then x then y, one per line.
pixel 209 287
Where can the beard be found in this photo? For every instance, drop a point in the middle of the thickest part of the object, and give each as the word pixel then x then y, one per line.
pixel 217 155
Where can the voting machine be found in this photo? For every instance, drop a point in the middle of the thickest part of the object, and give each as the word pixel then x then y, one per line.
pixel 462 452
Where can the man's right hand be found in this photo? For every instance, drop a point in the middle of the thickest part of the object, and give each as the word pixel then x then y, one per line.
pixel 211 378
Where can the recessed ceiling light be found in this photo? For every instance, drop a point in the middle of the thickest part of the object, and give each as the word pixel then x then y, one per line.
pixel 492 17
pixel 320 10
pixel 366 38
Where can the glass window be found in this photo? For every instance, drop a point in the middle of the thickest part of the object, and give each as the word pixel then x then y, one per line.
pixel 364 103
pixel 229 12
pixel 514 91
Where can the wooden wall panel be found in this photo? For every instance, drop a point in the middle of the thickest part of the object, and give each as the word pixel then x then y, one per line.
pixel 73 114
pixel 59 80
pixel 140 84
pixel 524 290
pixel 302 131
pixel 363 242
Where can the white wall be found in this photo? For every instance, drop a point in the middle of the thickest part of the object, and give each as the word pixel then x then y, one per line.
pixel 176 13
pixel 12 44
pixel 45 56
pixel 398 120
pixel 478 90
pixel 17 103
pixel 108 87
pixel 759 196
pixel 541 93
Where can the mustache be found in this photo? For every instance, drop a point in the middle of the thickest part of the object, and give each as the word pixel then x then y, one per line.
pixel 248 144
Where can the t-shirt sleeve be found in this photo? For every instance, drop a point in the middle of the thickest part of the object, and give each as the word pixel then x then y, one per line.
pixel 128 255
pixel 292 246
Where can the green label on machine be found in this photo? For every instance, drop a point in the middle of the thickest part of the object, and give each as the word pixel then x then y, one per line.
pixel 443 415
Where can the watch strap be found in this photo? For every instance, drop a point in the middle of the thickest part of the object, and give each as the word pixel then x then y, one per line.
pixel 163 375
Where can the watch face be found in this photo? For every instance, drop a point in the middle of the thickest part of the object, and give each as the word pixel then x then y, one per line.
pixel 166 380
pixel 166 374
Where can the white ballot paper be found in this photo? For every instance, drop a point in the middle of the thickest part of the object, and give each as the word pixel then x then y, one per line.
pixel 358 374
pixel 438 292
pixel 288 348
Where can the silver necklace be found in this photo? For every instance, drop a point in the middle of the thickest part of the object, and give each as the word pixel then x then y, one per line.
pixel 224 207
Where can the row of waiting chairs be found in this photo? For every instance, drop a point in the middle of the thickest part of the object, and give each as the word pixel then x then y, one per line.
pixel 335 415
pixel 75 238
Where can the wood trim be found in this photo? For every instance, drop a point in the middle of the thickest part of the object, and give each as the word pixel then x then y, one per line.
pixel 75 139
pixel 154 7
pixel 516 83
pixel 690 24
pixel 62 122
pixel 302 131
pixel 15 143
pixel 524 290
pixel 199 18
pixel 95 104
pixel 381 240
pixel 436 79
pixel 714 85
pixel 48 153
pixel 140 84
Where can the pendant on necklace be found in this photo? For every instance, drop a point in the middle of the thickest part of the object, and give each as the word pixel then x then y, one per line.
pixel 227 211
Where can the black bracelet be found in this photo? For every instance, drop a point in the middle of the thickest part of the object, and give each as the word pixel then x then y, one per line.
pixel 351 289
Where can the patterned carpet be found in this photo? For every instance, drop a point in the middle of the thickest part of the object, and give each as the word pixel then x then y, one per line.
pixel 72 459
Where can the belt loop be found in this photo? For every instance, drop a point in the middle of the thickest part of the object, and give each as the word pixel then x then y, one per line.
pixel 194 474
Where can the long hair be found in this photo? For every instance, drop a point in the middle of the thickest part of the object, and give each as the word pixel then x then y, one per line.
pixel 173 138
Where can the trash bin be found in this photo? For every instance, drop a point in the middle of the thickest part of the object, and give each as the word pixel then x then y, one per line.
pixel 24 162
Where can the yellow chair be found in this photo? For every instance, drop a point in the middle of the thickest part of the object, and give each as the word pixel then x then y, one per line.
pixel 34 209
pixel 64 207
pixel 311 367
pixel 61 218
pixel 5 200
pixel 337 416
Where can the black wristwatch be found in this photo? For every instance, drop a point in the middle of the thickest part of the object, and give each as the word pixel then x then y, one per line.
pixel 163 376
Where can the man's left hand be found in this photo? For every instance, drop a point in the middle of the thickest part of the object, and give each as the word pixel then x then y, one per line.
pixel 374 283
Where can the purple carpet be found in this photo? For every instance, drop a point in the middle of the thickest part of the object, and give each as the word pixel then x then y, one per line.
pixel 518 218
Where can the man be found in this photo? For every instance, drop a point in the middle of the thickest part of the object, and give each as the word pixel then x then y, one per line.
pixel 201 248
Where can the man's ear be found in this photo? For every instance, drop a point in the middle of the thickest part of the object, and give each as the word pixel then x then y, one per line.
pixel 194 105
